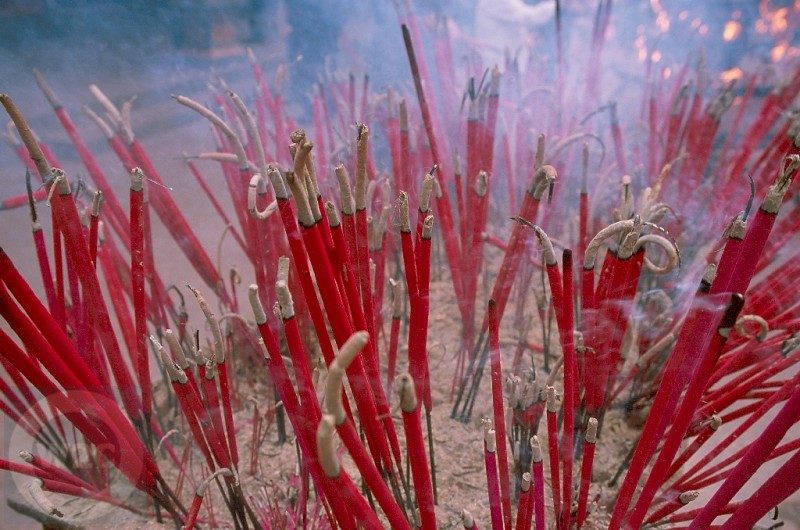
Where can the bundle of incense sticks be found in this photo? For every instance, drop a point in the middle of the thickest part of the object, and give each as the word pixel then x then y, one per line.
pixel 661 285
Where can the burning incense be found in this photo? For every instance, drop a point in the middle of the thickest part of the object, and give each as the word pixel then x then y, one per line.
pixel 657 363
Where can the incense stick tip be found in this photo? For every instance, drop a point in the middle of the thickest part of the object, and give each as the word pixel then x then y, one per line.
pixel 591 431
pixel 407 393
pixel 326 451
pixel 255 303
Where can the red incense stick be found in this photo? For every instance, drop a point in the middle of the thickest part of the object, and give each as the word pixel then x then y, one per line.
pixel 416 450
pixel 137 277
pixel 750 462
pixel 537 462
pixel 552 443
pixel 333 391
pixel 683 415
pixel 589 444
pixel 490 461
pixel 499 414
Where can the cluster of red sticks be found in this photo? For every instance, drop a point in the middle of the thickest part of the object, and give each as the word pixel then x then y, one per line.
pixel 699 363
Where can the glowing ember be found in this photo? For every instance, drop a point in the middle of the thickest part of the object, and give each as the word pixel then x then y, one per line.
pixel 731 75
pixel 731 31
pixel 662 19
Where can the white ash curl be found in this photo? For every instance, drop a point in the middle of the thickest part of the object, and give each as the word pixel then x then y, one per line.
pixel 673 258
pixel 543 180
pixel 326 449
pixel 37 494
pixel 258 186
pixel 220 124
pixel 252 130
pixel 213 323
pixel 744 321
pixel 612 230
pixel 336 372
pixel 203 487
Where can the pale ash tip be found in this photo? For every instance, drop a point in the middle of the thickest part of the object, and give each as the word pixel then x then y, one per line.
pixel 44 502
pixel 298 136
pixel 482 184
pixel 175 373
pixel 710 273
pixel 744 323
pixel 670 248
pixel 97 201
pixel 540 145
pixel 397 298
pixel 526 482
pixel 494 85
pixel 213 323
pixel 48 91
pixel 332 214
pixel 403 106
pixel 543 180
pixel 59 181
pixel 425 194
pixel 490 440
pixel 405 222
pixel 283 269
pixel 258 309
pixel 776 192
pixel 611 230
pixel 336 371
pixel 285 301
pixel 536 450
pixel 326 449
pixel 177 350
pixel 345 191
pixel 137 179
pixel 736 229
pixel 362 143
pixel 552 403
pixel 276 180
pixel 547 246
pixel 467 520
pixel 407 393
pixel 297 184
pixel 427 227
pixel 688 496
pixel 258 186
pixel 203 487
pixel 591 431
